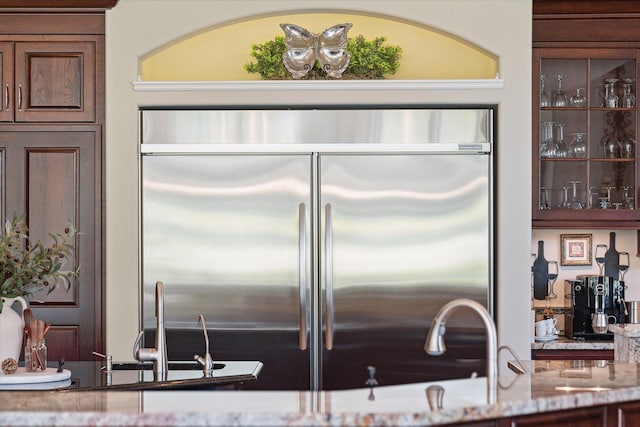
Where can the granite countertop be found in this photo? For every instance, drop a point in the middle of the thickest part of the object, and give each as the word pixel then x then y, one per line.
pixel 565 343
pixel 550 386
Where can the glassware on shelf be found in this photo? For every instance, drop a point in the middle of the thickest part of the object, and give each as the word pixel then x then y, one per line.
pixel 545 198
pixel 601 250
pixel 559 97
pixel 628 98
pixel 578 100
pixel 578 146
pixel 628 200
pixel 628 148
pixel 563 148
pixel 549 148
pixel 611 148
pixel 574 203
pixel 564 203
pixel 545 101
pixel 610 97
pixel 623 264
pixel 592 194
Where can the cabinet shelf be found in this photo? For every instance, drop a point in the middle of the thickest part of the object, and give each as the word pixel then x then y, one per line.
pixel 588 151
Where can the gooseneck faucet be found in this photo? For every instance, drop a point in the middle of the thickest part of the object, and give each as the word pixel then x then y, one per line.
pixel 434 345
pixel 206 361
pixel 158 354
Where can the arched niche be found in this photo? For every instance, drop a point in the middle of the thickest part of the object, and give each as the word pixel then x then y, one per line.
pixel 218 53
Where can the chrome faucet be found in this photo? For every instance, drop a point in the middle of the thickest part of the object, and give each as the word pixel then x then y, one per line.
pixel 434 345
pixel 206 361
pixel 158 354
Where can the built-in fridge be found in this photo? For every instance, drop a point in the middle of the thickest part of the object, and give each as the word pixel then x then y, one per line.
pixel 319 241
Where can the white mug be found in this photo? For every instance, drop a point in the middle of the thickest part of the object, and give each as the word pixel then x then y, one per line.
pixel 541 328
pixel 551 326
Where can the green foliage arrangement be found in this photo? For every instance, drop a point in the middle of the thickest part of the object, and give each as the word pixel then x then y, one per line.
pixel 27 267
pixel 370 59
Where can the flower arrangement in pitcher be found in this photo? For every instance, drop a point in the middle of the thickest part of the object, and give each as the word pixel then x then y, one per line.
pixel 27 267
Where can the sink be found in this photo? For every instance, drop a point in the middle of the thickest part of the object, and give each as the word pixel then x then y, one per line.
pixel 173 366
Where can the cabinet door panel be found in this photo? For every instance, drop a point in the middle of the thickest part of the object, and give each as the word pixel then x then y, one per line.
pixel 6 80
pixel 51 176
pixel 55 81
pixel 590 417
pixel 629 414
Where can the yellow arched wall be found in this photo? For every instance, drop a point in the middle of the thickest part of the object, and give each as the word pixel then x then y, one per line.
pixel 219 53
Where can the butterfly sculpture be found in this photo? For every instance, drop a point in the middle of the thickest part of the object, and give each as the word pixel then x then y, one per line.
pixel 305 48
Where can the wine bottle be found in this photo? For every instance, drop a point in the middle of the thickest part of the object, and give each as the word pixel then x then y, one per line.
pixel 611 258
pixel 540 271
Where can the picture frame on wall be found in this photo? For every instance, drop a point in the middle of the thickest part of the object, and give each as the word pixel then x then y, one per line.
pixel 575 249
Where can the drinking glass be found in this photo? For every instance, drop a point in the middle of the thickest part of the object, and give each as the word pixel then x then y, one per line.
pixel 601 250
pixel 578 100
pixel 628 98
pixel 563 148
pixel 559 97
pixel 611 148
pixel 628 148
pixel 574 203
pixel 545 202
pixel 544 98
pixel 552 275
pixel 578 146
pixel 610 97
pixel 623 264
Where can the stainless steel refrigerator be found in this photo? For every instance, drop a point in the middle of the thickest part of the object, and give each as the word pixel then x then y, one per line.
pixel 319 241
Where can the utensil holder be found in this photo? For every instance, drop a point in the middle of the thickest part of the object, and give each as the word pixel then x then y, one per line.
pixel 35 355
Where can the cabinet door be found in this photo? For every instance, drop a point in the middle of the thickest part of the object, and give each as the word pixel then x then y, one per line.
pixel 588 417
pixel 628 414
pixel 55 81
pixel 585 121
pixel 6 80
pixel 53 176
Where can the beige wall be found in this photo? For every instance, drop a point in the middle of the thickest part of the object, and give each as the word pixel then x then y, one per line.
pixel 136 27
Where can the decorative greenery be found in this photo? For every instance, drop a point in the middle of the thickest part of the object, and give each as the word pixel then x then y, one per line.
pixel 26 267
pixel 370 59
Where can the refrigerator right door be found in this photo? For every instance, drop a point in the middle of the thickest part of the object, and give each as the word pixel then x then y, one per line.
pixel 400 236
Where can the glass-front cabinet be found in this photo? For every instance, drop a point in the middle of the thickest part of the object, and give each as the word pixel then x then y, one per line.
pixel 585 167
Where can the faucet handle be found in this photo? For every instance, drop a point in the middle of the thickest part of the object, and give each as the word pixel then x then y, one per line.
pixel 137 345
pixel 108 358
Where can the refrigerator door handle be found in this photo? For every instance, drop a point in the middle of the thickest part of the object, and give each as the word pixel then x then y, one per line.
pixel 328 274
pixel 302 271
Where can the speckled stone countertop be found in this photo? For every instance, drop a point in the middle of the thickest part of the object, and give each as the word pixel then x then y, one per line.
pixel 550 386
pixel 564 343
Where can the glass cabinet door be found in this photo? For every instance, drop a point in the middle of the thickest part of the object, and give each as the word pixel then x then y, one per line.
pixel 584 137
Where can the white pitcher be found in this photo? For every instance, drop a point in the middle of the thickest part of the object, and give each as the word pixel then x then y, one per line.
pixel 11 329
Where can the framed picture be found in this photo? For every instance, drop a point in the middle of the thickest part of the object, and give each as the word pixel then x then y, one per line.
pixel 575 249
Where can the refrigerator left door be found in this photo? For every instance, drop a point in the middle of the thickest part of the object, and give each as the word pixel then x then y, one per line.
pixel 229 235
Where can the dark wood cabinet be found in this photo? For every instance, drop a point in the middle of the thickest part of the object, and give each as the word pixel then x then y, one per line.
pixel 49 81
pixel 586 417
pixel 585 170
pixel 627 415
pixel 50 173
pixel 51 150
pixel 572 354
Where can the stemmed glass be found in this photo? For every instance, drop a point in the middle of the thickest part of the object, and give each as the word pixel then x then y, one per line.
pixel 578 146
pixel 578 100
pixel 601 250
pixel 623 264
pixel 610 97
pixel 559 97
pixel 628 98
pixel 544 98
pixel 552 275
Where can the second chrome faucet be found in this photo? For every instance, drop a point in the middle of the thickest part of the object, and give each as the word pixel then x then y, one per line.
pixel 158 354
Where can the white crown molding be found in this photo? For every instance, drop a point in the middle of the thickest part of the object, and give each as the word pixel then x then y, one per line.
pixel 296 85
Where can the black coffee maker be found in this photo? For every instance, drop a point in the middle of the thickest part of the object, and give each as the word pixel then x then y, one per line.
pixel 591 294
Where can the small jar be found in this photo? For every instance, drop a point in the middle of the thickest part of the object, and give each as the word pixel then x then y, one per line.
pixel 35 355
